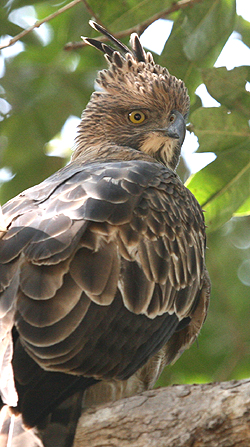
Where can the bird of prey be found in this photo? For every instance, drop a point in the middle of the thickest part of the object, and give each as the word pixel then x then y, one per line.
pixel 102 266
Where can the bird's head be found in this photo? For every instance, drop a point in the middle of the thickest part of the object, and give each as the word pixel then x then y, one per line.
pixel 139 105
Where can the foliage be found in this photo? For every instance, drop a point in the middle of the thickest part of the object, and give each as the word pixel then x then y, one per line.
pixel 44 85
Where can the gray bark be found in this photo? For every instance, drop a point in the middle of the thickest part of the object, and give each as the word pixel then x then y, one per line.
pixel 207 415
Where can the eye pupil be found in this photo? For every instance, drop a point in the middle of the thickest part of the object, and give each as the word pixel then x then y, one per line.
pixel 136 117
pixel 172 118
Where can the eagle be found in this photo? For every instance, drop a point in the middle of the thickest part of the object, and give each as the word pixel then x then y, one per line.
pixel 102 266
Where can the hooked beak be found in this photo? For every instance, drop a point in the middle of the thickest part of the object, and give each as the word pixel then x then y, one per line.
pixel 176 129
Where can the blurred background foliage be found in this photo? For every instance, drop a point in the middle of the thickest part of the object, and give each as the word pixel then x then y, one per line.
pixel 43 86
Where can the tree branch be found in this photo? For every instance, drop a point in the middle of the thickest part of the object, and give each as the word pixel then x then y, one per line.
pixel 39 23
pixel 140 27
pixel 207 415
pixel 92 13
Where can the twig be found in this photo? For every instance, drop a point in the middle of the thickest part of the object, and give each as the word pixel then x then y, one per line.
pixel 39 23
pixel 92 13
pixel 140 27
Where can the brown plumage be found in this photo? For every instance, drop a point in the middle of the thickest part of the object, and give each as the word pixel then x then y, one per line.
pixel 102 272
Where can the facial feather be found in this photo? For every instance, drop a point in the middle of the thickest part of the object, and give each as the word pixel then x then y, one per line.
pixel 133 82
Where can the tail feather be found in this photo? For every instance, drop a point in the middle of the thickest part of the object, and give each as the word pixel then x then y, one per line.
pixel 13 433
pixel 38 401
pixel 57 429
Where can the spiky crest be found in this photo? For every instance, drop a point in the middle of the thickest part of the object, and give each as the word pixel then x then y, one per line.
pixel 134 72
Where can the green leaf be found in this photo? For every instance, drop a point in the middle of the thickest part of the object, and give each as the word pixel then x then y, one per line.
pixel 117 16
pixel 24 155
pixel 218 130
pixel 196 104
pixel 244 209
pixel 10 6
pixel 228 87
pixel 208 28
pixel 134 12
pixel 242 26
pixel 174 58
pixel 197 38
pixel 222 187
pixel 44 85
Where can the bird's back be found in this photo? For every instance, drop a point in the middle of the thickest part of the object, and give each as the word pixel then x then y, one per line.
pixel 102 266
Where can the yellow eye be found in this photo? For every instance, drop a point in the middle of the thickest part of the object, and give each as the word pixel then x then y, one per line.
pixel 136 117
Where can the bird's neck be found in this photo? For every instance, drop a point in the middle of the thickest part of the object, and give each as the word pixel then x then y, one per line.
pixel 107 151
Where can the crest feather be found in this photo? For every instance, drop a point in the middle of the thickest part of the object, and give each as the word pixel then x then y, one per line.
pixel 136 71
pixel 137 48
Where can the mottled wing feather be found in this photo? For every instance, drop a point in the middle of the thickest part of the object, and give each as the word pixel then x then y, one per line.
pixel 96 257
